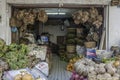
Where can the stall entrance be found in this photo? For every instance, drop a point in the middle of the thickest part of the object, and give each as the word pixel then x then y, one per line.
pixel 63 17
pixel 60 28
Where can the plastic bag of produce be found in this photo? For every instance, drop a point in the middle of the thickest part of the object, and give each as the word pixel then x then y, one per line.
pixel 30 37
pixel 39 52
pixel 43 67
pixel 80 50
pixel 104 54
pixel 91 53
pixel 10 75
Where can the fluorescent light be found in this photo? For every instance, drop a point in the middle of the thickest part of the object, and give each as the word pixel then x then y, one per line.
pixel 61 13
pixel 56 13
pixel 52 13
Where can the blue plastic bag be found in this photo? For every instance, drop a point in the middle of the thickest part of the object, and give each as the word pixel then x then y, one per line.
pixel 91 53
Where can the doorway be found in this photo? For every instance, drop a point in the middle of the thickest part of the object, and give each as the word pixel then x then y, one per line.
pixel 58 26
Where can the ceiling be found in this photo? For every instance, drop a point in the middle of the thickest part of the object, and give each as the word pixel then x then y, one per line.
pixel 68 9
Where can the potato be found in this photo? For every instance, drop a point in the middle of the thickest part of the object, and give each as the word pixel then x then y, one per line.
pixel 18 77
pixel 27 77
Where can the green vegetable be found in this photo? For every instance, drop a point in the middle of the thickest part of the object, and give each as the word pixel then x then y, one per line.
pixel 2 47
pixel 5 49
pixel 107 60
pixel 2 43
pixel 16 56
pixel 1 54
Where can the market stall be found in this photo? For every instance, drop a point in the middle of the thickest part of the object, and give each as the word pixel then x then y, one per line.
pixel 23 61
pixel 35 32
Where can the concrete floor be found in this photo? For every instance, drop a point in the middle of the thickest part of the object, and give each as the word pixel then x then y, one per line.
pixel 58 71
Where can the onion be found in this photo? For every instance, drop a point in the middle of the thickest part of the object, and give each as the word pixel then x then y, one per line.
pixel 81 77
pixel 71 78
pixel 85 79
pixel 76 76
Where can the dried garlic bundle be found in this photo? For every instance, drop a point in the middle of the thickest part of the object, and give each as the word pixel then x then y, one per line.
pixel 20 14
pixel 42 16
pixel 29 17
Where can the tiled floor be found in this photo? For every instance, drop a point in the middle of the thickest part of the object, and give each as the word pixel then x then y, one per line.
pixel 58 71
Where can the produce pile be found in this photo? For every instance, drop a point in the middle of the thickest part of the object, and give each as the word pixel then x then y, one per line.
pixel 70 66
pixel 63 56
pixel 93 71
pixel 16 56
pixel 38 51
pixel 23 76
pixel 2 44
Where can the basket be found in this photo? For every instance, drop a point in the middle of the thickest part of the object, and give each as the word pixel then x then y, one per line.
pixel 71 48
pixel 91 44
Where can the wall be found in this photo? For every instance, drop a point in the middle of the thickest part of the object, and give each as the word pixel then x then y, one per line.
pixel 2 32
pixel 114 26
pixel 5 12
pixel 57 1
pixel 55 31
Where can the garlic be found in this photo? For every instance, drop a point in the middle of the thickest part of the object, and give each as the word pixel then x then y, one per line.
pixel 110 69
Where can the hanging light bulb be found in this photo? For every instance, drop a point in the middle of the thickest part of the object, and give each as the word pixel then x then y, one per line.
pixel 62 27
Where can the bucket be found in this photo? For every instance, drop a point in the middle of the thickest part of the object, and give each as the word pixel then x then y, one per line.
pixel 90 44
pixel 71 48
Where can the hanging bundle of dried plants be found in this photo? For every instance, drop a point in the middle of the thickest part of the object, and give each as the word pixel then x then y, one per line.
pixel 91 16
pixel 42 16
